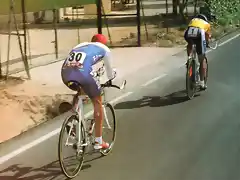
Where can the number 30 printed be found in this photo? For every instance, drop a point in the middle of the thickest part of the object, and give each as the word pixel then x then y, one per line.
pixel 75 59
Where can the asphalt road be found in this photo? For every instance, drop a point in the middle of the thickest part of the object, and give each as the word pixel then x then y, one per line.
pixel 161 135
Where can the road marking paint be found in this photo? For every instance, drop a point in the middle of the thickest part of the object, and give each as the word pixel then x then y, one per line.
pixel 154 79
pixel 43 138
pixel 120 97
pixel 230 39
pixel 20 150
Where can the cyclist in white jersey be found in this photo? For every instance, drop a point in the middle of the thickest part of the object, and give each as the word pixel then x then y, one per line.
pixel 76 71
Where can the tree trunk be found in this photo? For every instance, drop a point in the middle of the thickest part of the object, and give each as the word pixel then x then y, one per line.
pixel 182 7
pixel 175 6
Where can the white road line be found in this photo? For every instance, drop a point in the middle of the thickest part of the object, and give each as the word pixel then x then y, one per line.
pixel 43 138
pixel 120 97
pixel 20 150
pixel 24 148
pixel 227 41
pixel 154 79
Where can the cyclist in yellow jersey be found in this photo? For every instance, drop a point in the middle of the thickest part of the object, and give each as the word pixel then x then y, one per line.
pixel 199 33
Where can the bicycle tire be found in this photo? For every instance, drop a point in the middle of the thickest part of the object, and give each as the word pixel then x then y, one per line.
pixel 190 86
pixel 107 151
pixel 60 143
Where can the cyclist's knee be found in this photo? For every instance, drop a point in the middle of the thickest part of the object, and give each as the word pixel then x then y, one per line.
pixel 201 57
pixel 189 46
pixel 97 104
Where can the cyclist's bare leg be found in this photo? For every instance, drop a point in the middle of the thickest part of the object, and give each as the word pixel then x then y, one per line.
pixel 202 68
pixel 189 49
pixel 98 116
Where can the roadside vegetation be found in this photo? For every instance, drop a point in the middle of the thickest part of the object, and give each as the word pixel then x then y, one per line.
pixel 169 28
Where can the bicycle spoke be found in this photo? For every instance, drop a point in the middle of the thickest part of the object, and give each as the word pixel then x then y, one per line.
pixel 71 169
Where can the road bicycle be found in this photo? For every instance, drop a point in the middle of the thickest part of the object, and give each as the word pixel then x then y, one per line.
pixel 192 73
pixel 80 130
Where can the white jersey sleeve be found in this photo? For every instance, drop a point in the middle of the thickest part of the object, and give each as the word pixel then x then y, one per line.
pixel 107 60
pixel 108 66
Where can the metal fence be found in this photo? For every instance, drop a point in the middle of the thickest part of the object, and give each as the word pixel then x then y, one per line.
pixel 45 37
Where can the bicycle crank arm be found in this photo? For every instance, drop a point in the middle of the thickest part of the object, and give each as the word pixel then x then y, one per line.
pixel 86 144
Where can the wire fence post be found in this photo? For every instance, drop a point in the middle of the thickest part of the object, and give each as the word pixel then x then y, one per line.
pixel 99 16
pixel 55 32
pixel 138 23
pixel 25 39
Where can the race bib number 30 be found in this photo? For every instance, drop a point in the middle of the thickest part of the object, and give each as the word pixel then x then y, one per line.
pixel 75 59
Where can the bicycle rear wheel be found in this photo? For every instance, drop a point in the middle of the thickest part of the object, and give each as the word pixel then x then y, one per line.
pixel 69 128
pixel 190 79
pixel 109 128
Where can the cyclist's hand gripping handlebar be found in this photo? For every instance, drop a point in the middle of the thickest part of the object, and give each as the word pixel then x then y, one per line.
pixel 109 84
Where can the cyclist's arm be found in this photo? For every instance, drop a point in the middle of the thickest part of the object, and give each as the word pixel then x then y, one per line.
pixel 208 33
pixel 108 66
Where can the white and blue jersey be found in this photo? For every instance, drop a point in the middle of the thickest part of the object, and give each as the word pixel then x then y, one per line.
pixel 78 65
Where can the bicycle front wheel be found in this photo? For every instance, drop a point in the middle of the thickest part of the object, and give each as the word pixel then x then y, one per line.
pixel 109 127
pixel 190 80
pixel 71 168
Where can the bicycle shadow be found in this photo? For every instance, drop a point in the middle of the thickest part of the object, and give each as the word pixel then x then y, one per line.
pixel 51 171
pixel 155 101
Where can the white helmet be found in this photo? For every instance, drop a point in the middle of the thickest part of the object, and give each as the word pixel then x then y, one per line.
pixel 203 17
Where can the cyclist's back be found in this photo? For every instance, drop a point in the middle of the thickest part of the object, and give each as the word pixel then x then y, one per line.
pixel 200 23
pixel 198 32
pixel 93 52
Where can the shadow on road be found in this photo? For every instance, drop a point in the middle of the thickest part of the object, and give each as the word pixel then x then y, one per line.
pixel 18 172
pixel 155 101
pixel 51 171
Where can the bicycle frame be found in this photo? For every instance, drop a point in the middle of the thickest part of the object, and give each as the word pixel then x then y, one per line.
pixel 78 109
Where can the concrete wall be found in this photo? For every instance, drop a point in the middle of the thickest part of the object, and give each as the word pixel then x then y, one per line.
pixel 4 18
pixel 63 12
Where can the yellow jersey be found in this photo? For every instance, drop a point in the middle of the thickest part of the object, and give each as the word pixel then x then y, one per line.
pixel 199 23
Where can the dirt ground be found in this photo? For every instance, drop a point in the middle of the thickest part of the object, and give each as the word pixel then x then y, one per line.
pixel 25 104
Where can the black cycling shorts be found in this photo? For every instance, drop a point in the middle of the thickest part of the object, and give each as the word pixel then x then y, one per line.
pixel 194 35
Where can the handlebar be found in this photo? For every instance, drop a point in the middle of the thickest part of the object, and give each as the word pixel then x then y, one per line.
pixel 109 84
pixel 212 47
pixel 100 71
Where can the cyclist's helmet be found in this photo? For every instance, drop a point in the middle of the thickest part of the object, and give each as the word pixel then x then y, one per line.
pixel 99 38
pixel 203 17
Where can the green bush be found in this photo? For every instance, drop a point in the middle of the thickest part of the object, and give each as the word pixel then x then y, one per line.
pixel 227 11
